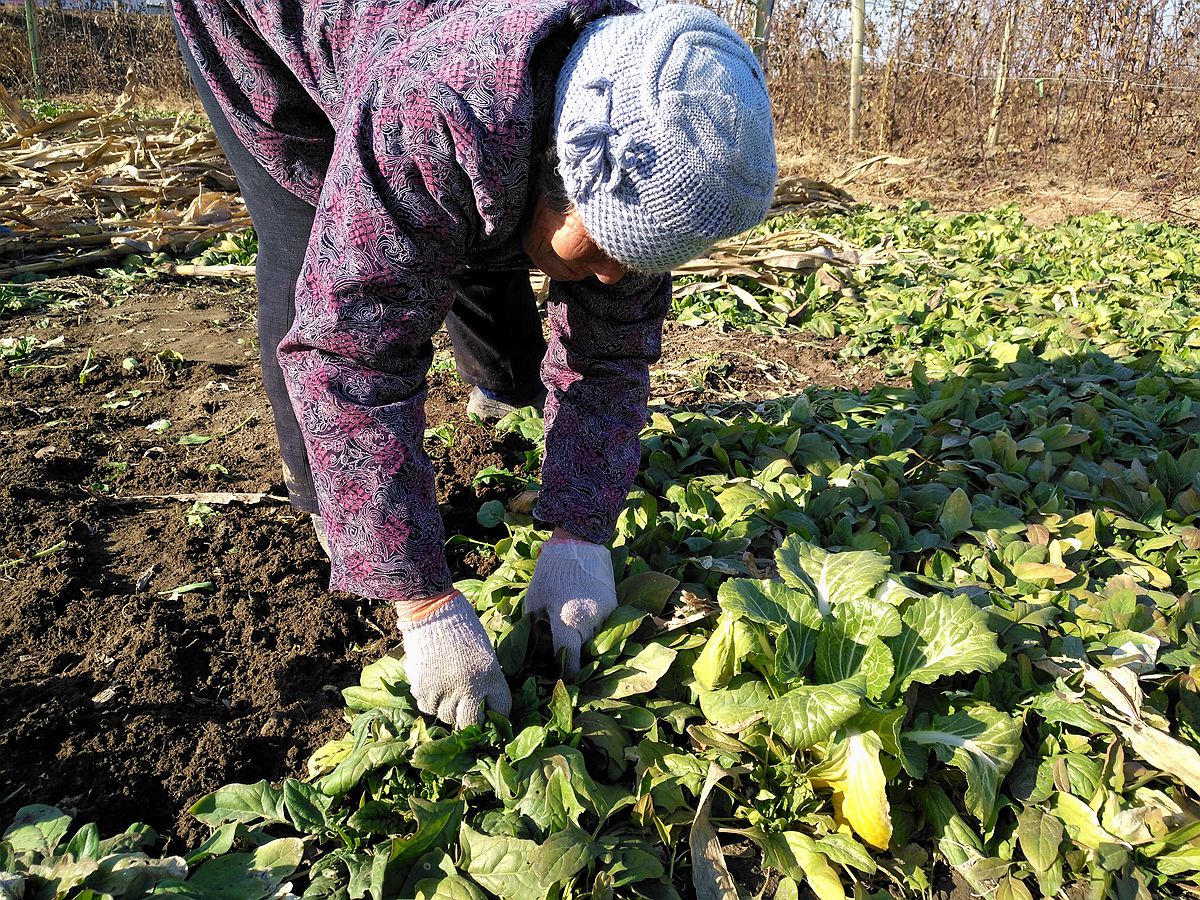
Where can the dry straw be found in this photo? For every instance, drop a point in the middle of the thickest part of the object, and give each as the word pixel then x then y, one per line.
pixel 91 186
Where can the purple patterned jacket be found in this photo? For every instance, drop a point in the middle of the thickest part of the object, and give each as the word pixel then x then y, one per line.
pixel 413 128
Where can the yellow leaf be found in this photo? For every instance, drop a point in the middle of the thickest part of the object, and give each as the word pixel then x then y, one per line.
pixel 859 786
pixel 1031 571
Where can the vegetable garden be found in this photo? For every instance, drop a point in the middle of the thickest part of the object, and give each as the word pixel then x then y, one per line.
pixel 934 637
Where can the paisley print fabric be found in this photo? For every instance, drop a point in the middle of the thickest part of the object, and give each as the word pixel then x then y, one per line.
pixel 413 127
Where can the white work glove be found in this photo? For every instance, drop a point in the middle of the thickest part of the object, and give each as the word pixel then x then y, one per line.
pixel 573 588
pixel 451 666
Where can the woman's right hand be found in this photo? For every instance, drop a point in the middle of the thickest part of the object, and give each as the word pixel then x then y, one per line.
pixel 451 666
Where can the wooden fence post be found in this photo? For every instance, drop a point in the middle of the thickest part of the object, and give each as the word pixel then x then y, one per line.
pixel 35 45
pixel 1000 92
pixel 858 19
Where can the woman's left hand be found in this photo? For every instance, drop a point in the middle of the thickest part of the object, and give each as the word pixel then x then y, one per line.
pixel 573 588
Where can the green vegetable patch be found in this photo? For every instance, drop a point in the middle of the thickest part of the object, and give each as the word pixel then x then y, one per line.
pixel 884 639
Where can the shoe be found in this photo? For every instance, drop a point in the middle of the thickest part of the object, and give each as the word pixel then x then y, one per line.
pixel 492 406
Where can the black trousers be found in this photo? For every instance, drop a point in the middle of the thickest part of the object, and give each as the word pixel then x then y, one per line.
pixel 494 325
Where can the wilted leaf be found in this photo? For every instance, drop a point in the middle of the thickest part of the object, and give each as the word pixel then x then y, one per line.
pixel 710 874
pixel 852 769
pixel 1082 823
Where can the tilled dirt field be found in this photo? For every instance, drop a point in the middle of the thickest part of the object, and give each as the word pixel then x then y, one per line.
pixel 121 696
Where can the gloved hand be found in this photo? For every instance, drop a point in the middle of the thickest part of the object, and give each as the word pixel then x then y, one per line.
pixel 573 587
pixel 451 666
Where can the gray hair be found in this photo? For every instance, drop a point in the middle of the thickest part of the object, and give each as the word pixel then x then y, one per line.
pixel 549 182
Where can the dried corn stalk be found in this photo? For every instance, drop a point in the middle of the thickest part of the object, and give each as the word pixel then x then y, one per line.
pixel 95 185
pixel 91 186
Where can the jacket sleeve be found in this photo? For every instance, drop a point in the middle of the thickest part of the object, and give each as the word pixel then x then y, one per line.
pixel 394 210
pixel 597 373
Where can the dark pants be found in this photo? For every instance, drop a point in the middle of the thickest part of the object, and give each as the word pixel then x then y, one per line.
pixel 494 325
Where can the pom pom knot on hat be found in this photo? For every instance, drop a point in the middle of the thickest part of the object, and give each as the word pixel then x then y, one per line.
pixel 664 135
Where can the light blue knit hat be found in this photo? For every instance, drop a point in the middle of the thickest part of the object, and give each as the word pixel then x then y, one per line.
pixel 664 135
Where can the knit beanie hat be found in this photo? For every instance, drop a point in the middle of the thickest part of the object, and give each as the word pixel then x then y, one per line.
pixel 664 135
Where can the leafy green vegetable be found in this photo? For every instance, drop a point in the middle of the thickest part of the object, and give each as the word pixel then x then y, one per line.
pixel 951 623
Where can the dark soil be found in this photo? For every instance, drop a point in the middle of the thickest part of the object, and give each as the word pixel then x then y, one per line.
pixel 707 365
pixel 124 699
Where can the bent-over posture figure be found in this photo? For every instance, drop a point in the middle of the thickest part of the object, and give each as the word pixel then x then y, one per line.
pixel 405 164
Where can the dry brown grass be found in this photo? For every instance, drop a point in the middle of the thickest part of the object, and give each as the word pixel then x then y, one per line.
pixel 88 53
pixel 1103 105
pixel 1100 92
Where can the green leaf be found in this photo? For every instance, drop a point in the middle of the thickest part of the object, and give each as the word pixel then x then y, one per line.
pixel 279 858
pixel 305 806
pixel 830 578
pixel 437 824
pixel 846 851
pixel 637 675
pixel 1058 709
pixel 448 757
pixel 1179 862
pixel 850 647
pixel 765 602
pixel 382 685
pixel 796 855
pixel 376 817
pixel 491 514
pixel 955 517
pixel 942 635
pixel 529 740
pixel 548 798
pixel 562 855
pixel 616 630
pixel 740 702
pixel 608 738
pixel 980 741
pixel 721 659
pixel 85 843
pixel 241 803
pixel 1040 836
pixel 632 860
pixel 37 829
pixel 452 887
pixel 248 876
pixel 562 711
pixel 808 715
pixel 647 591
pixel 773 604
pixel 357 763
pixel 501 864
pixel 956 840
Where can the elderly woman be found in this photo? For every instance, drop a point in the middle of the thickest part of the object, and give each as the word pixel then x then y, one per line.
pixel 405 164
